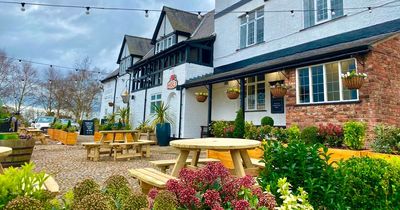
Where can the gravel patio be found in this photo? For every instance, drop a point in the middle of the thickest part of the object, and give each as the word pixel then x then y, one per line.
pixel 68 164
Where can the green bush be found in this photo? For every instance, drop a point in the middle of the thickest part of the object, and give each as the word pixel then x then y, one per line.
pixel 135 201
pixel 310 135
pixel 24 203
pixel 117 187
pixel 165 200
pixel 95 201
pixel 238 131
pixel 293 133
pixel 304 166
pixel 280 134
pixel 354 134
pixel 267 121
pixel 84 188
pixel 7 136
pixel 257 133
pixel 368 183
pixel 222 129
pixel 386 139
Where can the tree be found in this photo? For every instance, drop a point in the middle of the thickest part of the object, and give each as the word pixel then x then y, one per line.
pixel 46 94
pixel 6 66
pixel 238 132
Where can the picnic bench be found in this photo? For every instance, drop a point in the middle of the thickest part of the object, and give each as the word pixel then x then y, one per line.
pixel 120 150
pixel 125 133
pixel 163 165
pixel 36 134
pixel 257 163
pixel 149 178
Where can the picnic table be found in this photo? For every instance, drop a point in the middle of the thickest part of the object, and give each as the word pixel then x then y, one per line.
pixel 115 132
pixel 4 152
pixel 36 134
pixel 237 147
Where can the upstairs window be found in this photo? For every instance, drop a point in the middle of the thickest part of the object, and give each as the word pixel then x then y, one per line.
pixel 252 28
pixel 319 11
pixel 165 43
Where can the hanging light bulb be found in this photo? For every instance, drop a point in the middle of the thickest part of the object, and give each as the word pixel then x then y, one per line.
pixel 23 6
pixel 292 13
pixel 199 15
pixel 146 13
pixel 247 15
pixel 333 12
pixel 369 9
pixel 76 70
pixel 20 60
pixel 87 10
pixel 51 66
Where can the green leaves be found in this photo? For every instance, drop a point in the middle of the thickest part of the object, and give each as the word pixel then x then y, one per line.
pixel 354 134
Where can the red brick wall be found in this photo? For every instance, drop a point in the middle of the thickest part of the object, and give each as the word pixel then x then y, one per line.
pixel 379 96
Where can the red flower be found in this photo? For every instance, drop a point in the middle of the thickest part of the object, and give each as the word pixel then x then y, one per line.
pixel 242 205
pixel 153 193
pixel 267 200
pixel 246 181
pixel 212 198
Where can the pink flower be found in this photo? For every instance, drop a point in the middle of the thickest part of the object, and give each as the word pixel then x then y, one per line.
pixel 187 197
pixel 246 181
pixel 267 200
pixel 242 205
pixel 212 198
pixel 217 208
pixel 153 193
pixel 174 186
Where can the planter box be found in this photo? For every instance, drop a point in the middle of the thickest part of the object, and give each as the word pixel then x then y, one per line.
pixel 21 152
pixel 56 134
pixel 71 138
pixel 64 137
pixel 226 158
pixel 118 136
pixel 50 132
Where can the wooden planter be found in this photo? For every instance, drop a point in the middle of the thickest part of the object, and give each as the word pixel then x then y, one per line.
pixel 278 92
pixel 353 83
pixel 21 152
pixel 71 138
pixel 201 98
pixel 50 132
pixel 109 137
pixel 232 95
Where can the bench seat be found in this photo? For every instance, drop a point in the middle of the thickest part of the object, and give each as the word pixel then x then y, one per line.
pixel 257 163
pixel 165 164
pixel 149 178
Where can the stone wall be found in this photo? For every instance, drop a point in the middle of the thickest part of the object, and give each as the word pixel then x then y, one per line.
pixel 379 96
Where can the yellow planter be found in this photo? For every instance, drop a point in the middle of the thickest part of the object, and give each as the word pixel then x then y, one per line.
pixel 71 138
pixel 50 132
pixel 118 136
pixel 226 158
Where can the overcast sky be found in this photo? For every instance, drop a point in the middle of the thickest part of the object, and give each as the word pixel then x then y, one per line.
pixel 60 36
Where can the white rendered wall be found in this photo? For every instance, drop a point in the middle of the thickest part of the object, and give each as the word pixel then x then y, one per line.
pixel 281 30
pixel 107 96
pixel 165 28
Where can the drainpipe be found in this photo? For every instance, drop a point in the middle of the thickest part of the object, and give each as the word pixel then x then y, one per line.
pixel 209 108
pixel 180 113
pixel 145 98
pixel 115 92
pixel 129 97
pixel 242 96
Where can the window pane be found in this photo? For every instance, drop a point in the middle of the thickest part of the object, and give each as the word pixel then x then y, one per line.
pixel 337 6
pixel 260 30
pixel 252 16
pixel 260 77
pixel 250 34
pixel 261 96
pixel 318 83
pixel 251 97
pixel 304 85
pixel 332 81
pixel 251 79
pixel 243 37
pixel 322 10
pixel 348 66
pixel 260 12
pixel 243 19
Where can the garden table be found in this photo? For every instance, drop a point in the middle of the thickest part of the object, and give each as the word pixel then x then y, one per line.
pixel 36 134
pixel 4 152
pixel 237 147
pixel 115 132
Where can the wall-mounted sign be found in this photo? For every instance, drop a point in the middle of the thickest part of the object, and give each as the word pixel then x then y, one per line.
pixel 172 83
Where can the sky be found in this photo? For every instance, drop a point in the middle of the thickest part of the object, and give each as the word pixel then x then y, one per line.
pixel 61 36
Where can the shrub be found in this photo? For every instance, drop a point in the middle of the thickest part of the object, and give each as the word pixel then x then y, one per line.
pixel 291 201
pixel 369 184
pixel 267 121
pixel 386 139
pixel 293 133
pixel 354 134
pixel 280 134
pixel 331 134
pixel 135 201
pixel 84 188
pixel 95 201
pixel 117 187
pixel 310 135
pixel 257 133
pixel 238 131
pixel 304 166
pixel 24 203
pixel 221 128
pixel 165 200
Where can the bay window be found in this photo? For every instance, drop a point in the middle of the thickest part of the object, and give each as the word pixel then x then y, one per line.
pixel 252 28
pixel 255 93
pixel 322 83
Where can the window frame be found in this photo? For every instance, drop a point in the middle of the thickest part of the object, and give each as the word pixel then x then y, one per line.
pixel 255 84
pixel 255 28
pixel 154 101
pixel 311 93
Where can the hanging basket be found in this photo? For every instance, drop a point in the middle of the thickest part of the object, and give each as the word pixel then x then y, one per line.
pixel 353 82
pixel 278 92
pixel 201 98
pixel 110 104
pixel 232 95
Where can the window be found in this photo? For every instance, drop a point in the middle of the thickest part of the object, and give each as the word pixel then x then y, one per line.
pixel 319 11
pixel 255 93
pixel 165 43
pixel 252 28
pixel 322 83
pixel 155 100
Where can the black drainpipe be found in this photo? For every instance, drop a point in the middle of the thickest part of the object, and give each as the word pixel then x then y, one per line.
pixel 115 92
pixel 145 99
pixel 180 112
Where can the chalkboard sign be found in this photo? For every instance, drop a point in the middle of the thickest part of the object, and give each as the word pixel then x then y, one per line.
pixel 277 104
pixel 87 127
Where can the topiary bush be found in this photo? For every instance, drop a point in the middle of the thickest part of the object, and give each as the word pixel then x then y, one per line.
pixel 354 134
pixel 24 203
pixel 84 188
pixel 95 201
pixel 135 201
pixel 310 135
pixel 238 131
pixel 165 200
pixel 267 121
pixel 117 187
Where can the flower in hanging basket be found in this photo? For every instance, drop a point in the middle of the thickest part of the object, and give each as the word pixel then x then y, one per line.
pixel 279 90
pixel 201 96
pixel 232 92
pixel 353 80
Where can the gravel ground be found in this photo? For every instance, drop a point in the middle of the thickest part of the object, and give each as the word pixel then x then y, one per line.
pixel 68 164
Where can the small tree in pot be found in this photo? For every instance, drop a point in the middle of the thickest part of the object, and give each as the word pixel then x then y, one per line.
pixel 162 123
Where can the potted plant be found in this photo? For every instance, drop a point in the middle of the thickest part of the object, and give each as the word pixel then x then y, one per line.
pixel 201 96
pixel 353 80
pixel 146 131
pixel 279 90
pixel 162 124
pixel 232 93
pixel 22 148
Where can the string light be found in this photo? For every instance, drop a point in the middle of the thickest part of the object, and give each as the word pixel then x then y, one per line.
pixel 247 15
pixel 87 10
pixel 292 13
pixel 146 13
pixel 369 9
pixel 199 15
pixel 333 12
pixel 23 6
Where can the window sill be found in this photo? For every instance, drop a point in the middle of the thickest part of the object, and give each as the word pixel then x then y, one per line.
pixel 331 103
pixel 261 110
pixel 257 44
pixel 322 23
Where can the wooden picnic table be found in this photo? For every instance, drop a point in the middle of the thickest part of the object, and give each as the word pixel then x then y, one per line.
pixel 4 152
pixel 237 147
pixel 115 132
pixel 37 134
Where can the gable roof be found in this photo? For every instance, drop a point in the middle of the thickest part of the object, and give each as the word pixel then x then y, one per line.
pixel 110 76
pixel 137 46
pixel 205 28
pixel 180 20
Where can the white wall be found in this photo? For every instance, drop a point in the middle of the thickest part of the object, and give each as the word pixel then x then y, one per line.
pixel 165 28
pixel 281 30
pixel 107 96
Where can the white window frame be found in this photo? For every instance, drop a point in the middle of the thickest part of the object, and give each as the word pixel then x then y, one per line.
pixel 329 12
pixel 325 84
pixel 255 84
pixel 154 101
pixel 246 24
